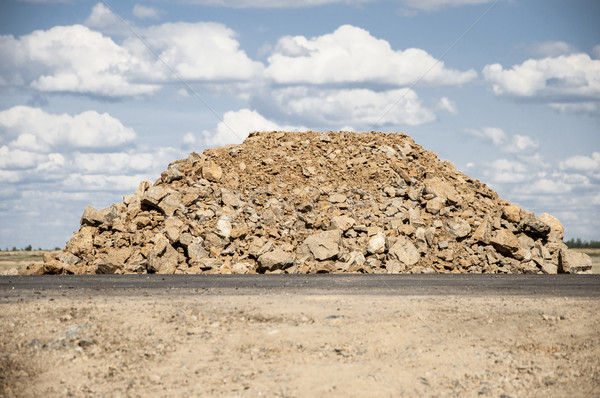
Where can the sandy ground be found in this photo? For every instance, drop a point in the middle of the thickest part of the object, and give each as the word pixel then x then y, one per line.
pixel 298 346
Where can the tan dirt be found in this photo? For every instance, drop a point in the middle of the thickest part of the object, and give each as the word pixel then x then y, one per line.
pixel 298 346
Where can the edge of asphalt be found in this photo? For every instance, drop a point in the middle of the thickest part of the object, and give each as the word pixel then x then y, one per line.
pixel 579 286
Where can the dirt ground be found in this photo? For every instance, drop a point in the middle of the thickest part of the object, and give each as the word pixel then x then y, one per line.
pixel 298 346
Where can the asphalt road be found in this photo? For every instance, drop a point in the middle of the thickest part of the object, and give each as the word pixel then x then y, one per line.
pixel 338 284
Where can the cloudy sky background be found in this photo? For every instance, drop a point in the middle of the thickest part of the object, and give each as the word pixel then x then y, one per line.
pixel 98 96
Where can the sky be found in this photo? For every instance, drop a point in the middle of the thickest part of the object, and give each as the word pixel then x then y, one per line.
pixel 96 97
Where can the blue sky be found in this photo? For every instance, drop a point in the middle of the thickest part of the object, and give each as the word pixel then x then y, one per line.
pixel 508 90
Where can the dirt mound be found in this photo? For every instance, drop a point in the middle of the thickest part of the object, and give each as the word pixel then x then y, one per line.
pixel 311 203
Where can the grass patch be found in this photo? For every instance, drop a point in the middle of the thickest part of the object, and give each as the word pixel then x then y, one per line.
pixel 20 259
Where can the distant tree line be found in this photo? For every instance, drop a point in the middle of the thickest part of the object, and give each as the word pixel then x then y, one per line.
pixel 27 248
pixel 582 244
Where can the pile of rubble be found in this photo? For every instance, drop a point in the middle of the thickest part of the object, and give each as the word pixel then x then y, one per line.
pixel 315 203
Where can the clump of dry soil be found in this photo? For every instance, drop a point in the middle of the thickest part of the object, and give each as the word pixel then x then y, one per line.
pixel 315 203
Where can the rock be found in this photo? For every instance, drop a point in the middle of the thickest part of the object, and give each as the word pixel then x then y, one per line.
pixel 435 205
pixel 376 244
pixel 512 213
pixel 117 257
pixel 242 268
pixel 483 233
pixel 573 262
pixel 171 203
pixel 228 198
pixel 171 230
pixel 557 231
pixel 323 245
pixel 320 205
pixel 212 171
pixel 212 239
pixel 550 268
pixel 196 251
pixel 94 217
pixel 442 190
pixel 223 228
pixel 507 244
pixel 534 225
pixel 337 198
pixel 343 223
pixel 173 172
pixel 405 252
pixel 82 242
pixel 152 196
pixel 459 228
pixel 276 259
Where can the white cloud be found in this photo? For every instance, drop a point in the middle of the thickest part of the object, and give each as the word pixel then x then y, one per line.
pixel 72 59
pixel 596 51
pixel 517 144
pixel 447 105
pixel 216 56
pixel 114 163
pixel 505 171
pixel 582 163
pixel 29 128
pixel 358 107
pixel 77 59
pixel 144 12
pixel 236 126
pixel 584 108
pixel 104 20
pixel 351 55
pixel 491 134
pixel 550 48
pixel 522 143
pixel 569 78
pixel 548 187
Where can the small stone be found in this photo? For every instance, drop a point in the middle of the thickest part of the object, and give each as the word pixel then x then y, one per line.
pixel 572 262
pixel 512 213
pixel 507 244
pixel 223 228
pixel 376 244
pixel 212 171
pixel 459 228
pixel 342 222
pixel 483 233
pixel 534 225
pixel 323 245
pixel 337 198
pixel 242 268
pixel 276 259
pixel 550 269
pixel 405 252
pixel 557 231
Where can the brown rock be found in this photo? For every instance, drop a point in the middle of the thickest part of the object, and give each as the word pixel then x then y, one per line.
pixel 572 262
pixel 212 171
pixel 323 245
pixel 534 225
pixel 442 189
pixel 376 243
pixel 276 259
pixel 507 244
pixel 512 213
pixel 557 231
pixel 458 227
pixel 405 252
pixel 483 233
